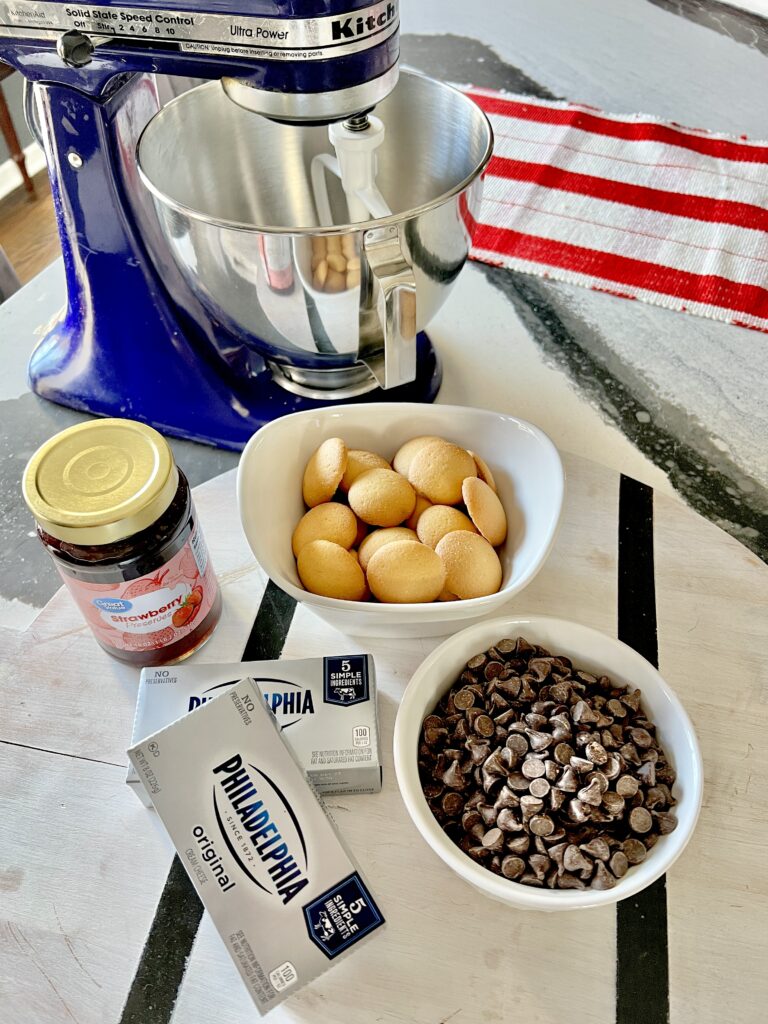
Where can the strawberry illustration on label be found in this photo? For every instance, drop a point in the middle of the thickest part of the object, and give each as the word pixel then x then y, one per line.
pixel 189 608
pixel 145 585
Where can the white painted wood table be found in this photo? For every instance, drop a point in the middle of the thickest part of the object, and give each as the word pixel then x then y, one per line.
pixel 83 865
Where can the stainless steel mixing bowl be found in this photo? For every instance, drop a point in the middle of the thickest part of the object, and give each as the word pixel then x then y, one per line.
pixel 234 197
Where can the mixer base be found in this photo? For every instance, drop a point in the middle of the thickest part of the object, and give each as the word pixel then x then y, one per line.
pixel 181 398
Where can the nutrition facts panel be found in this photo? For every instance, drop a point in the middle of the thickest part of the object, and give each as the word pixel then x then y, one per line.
pixel 100 921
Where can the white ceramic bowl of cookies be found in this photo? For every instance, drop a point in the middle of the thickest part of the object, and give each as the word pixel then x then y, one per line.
pixel 526 466
pixel 590 651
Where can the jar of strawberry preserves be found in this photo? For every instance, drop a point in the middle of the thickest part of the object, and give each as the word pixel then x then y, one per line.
pixel 117 517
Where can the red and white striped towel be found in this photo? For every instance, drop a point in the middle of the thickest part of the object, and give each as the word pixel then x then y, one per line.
pixel 631 205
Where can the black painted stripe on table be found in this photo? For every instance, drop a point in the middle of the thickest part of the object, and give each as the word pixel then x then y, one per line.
pixel 160 972
pixel 642 958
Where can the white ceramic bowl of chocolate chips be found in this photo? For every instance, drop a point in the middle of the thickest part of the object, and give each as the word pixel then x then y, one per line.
pixel 547 764
pixel 397 519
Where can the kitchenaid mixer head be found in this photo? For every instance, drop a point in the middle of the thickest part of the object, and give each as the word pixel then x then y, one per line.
pixel 176 317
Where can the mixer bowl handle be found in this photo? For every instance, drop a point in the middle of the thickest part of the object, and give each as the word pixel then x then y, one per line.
pixel 393 290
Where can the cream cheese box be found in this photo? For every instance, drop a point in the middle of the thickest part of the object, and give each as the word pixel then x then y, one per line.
pixel 262 853
pixel 326 708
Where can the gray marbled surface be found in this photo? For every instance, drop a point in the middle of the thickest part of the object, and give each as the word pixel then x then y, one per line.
pixel 671 394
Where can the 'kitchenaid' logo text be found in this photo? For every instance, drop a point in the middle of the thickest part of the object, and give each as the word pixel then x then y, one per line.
pixel 261 822
pixel 353 28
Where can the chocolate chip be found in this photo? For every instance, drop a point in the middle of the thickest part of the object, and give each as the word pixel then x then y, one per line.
pixel 539 667
pixel 461 731
pixel 568 881
pixel 517 743
pixel 520 844
pixel 530 805
pixel 477 662
pixel 646 773
pixel 586 677
pixel 574 859
pixel 512 867
pixel 551 770
pixel 597 848
pixel 629 753
pixel 483 726
pixel 506 798
pixel 452 804
pixel 531 879
pixel 582 713
pixel 577 811
pixel 563 753
pixel 568 781
pixel 464 699
pixel 523 648
pixel 619 864
pixel 510 687
pixel 454 777
pixel 478 749
pixel 665 822
pixel 556 799
pixel 470 819
pixel 493 670
pixel 494 764
pixel 603 879
pixel 508 821
pixel 591 794
pixel 641 738
pixel 640 820
pixel 540 863
pixel 596 752
pixel 434 735
pixel 494 840
pixel 555 837
pixel 656 797
pixel 539 788
pixel 539 740
pixel 488 813
pixel 581 765
pixel 614 804
pixel 627 786
pixel 560 692
pixel 600 779
pixel 542 825
pixel 634 851
pixel 561 727
pixel 533 769
pixel 665 773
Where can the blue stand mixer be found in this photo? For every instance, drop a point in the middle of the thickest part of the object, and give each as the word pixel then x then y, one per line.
pixel 223 266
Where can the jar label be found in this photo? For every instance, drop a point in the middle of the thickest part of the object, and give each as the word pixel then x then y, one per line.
pixel 152 611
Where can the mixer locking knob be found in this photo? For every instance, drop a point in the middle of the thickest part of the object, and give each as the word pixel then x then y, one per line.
pixel 75 49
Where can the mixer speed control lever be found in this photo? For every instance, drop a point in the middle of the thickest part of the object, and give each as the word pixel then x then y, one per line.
pixel 75 48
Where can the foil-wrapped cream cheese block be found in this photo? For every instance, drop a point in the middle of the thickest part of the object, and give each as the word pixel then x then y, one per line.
pixel 326 708
pixel 264 856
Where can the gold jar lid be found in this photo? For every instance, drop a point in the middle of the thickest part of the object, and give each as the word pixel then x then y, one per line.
pixel 100 481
